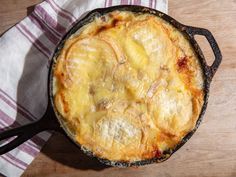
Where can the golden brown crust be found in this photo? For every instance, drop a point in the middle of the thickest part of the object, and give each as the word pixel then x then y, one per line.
pixel 129 86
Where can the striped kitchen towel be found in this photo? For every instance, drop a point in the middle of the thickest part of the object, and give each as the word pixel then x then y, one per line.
pixel 25 51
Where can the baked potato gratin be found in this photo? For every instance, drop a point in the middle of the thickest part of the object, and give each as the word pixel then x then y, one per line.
pixel 128 86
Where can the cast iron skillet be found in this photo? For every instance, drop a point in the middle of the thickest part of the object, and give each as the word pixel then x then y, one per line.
pixel 52 120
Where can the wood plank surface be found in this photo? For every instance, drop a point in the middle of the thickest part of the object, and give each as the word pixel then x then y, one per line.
pixel 211 152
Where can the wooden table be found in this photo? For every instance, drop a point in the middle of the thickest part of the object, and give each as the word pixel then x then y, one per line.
pixel 212 149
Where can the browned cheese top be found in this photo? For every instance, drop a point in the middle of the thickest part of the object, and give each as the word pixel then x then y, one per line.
pixel 128 86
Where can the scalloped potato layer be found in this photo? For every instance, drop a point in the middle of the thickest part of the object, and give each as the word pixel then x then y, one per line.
pixel 128 86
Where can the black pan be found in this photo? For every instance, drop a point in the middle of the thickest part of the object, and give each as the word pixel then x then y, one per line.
pixel 52 120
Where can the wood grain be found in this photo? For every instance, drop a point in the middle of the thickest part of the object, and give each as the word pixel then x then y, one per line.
pixel 212 149
pixel 12 11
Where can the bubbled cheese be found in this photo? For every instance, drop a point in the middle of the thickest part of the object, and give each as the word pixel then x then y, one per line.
pixel 129 86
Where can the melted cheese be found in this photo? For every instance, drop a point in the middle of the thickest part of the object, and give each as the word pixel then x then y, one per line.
pixel 128 86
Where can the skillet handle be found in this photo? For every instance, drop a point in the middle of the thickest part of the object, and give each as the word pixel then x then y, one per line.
pixel 214 46
pixel 24 133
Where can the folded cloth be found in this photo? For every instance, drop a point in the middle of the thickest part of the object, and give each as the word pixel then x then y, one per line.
pixel 25 51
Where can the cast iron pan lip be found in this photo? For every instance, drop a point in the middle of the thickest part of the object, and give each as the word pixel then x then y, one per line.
pixel 136 9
